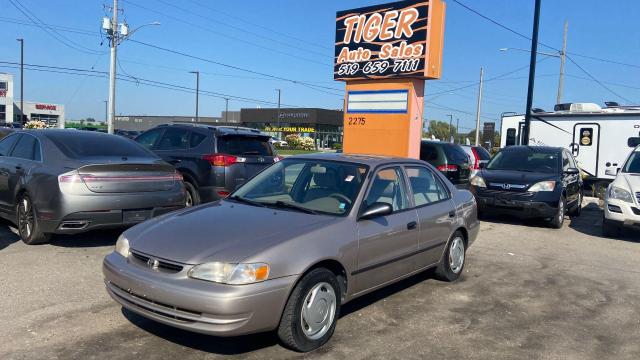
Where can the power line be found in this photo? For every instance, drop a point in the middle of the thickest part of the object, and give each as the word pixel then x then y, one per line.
pixel 604 60
pixel 598 81
pixel 139 80
pixel 51 31
pixel 207 29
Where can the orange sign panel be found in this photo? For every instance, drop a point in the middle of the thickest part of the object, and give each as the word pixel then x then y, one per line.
pixel 398 40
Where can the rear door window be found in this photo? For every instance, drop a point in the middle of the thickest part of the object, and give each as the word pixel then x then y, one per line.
pixel 196 139
pixel 174 139
pixel 149 138
pixel 426 187
pixel 244 145
pixel 483 153
pixel 428 153
pixel 7 143
pixel 26 148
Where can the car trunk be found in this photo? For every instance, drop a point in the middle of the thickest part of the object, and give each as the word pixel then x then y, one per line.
pixel 128 177
pixel 249 155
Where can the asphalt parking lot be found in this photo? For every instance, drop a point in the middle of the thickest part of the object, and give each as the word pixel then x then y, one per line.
pixel 528 292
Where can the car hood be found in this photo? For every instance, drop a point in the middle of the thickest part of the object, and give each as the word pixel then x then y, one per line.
pixel 222 231
pixel 629 181
pixel 514 177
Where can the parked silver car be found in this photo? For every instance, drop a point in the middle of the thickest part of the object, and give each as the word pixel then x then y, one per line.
pixel 292 245
pixel 68 181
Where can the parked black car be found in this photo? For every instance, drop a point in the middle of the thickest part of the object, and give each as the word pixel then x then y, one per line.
pixel 214 160
pixel 67 182
pixel 450 159
pixel 530 182
pixel 131 134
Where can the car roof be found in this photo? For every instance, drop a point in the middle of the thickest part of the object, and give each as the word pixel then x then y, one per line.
pixel 365 159
pixel 549 149
pixel 220 130
pixel 62 134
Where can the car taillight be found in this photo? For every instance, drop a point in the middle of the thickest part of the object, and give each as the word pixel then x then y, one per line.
pixel 223 193
pixel 223 159
pixel 177 176
pixel 475 165
pixel 447 168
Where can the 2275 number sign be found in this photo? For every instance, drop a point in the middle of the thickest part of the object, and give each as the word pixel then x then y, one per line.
pixel 356 120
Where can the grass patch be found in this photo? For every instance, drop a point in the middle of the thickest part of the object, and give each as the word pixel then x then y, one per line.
pixel 295 152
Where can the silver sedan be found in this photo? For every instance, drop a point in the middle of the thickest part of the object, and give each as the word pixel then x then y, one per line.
pixel 286 250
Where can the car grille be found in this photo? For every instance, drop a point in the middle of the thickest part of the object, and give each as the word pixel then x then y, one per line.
pixel 511 195
pixel 159 308
pixel 163 265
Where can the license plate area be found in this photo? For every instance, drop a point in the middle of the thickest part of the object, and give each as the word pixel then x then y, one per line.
pixel 135 216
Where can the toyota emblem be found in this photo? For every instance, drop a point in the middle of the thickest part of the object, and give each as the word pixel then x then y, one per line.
pixel 153 264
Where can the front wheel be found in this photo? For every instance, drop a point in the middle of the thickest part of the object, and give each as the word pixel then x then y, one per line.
pixel 453 259
pixel 558 219
pixel 310 316
pixel 28 227
pixel 192 197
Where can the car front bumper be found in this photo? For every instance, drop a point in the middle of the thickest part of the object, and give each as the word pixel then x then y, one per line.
pixel 523 205
pixel 622 213
pixel 196 305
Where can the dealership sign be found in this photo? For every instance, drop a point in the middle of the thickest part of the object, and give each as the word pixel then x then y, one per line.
pixel 3 93
pixel 45 107
pixel 290 129
pixel 401 39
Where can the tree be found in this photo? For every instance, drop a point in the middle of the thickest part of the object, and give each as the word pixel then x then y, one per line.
pixel 90 120
pixel 441 130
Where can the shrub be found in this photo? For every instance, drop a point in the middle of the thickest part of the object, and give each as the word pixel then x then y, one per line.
pixel 307 143
pixel 336 146
pixel 35 124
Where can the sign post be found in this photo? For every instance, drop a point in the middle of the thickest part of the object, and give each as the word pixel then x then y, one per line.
pixel 384 53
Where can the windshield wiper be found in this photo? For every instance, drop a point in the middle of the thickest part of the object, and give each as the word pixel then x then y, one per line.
pixel 246 201
pixel 282 204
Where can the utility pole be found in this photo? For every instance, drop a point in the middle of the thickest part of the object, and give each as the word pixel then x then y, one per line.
pixel 106 110
pixel 21 40
pixel 112 68
pixel 278 121
pixel 563 60
pixel 197 91
pixel 450 121
pixel 479 106
pixel 457 130
pixel 226 109
pixel 532 73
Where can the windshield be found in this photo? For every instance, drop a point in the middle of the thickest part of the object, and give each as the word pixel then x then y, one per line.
pixel 327 187
pixel 531 161
pixel 633 163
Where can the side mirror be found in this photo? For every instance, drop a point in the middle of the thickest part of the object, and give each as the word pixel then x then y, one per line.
pixel 376 210
pixel 572 171
pixel 482 165
pixel 612 172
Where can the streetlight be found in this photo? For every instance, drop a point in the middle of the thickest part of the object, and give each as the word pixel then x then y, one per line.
pixel 21 79
pixel 278 120
pixel 197 90
pixel 562 55
pixel 116 33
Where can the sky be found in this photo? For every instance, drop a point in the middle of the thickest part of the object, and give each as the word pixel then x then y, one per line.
pixel 293 40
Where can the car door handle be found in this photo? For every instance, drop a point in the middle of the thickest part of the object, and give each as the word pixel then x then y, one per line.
pixel 452 214
pixel 412 225
pixel 176 161
pixel 18 167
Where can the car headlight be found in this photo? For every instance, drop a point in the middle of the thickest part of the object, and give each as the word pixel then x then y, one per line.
pixel 620 194
pixel 543 186
pixel 478 181
pixel 232 274
pixel 122 246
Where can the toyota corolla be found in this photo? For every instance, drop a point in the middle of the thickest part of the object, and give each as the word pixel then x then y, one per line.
pixel 292 245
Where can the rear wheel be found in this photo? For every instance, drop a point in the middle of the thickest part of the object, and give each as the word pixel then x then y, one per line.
pixel 192 198
pixel 557 220
pixel 28 222
pixel 453 259
pixel 310 316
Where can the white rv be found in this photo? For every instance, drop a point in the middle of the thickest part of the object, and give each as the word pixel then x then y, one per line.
pixel 599 138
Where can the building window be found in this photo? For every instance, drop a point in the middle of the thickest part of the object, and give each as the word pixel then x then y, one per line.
pixel 3 113
pixel 51 120
pixel 3 85
pixel 511 136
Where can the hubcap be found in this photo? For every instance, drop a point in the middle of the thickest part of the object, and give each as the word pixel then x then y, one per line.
pixel 189 200
pixel 318 311
pixel 25 218
pixel 456 255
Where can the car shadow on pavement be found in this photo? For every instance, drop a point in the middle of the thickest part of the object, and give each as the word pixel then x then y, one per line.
pixel 590 223
pixel 513 220
pixel 207 343
pixel 7 235
pixel 96 238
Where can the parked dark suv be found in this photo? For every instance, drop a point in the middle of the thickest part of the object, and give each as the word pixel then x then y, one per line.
pixel 450 159
pixel 213 160
pixel 530 182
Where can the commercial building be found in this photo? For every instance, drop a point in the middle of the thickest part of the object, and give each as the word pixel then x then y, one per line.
pixel 52 114
pixel 325 126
